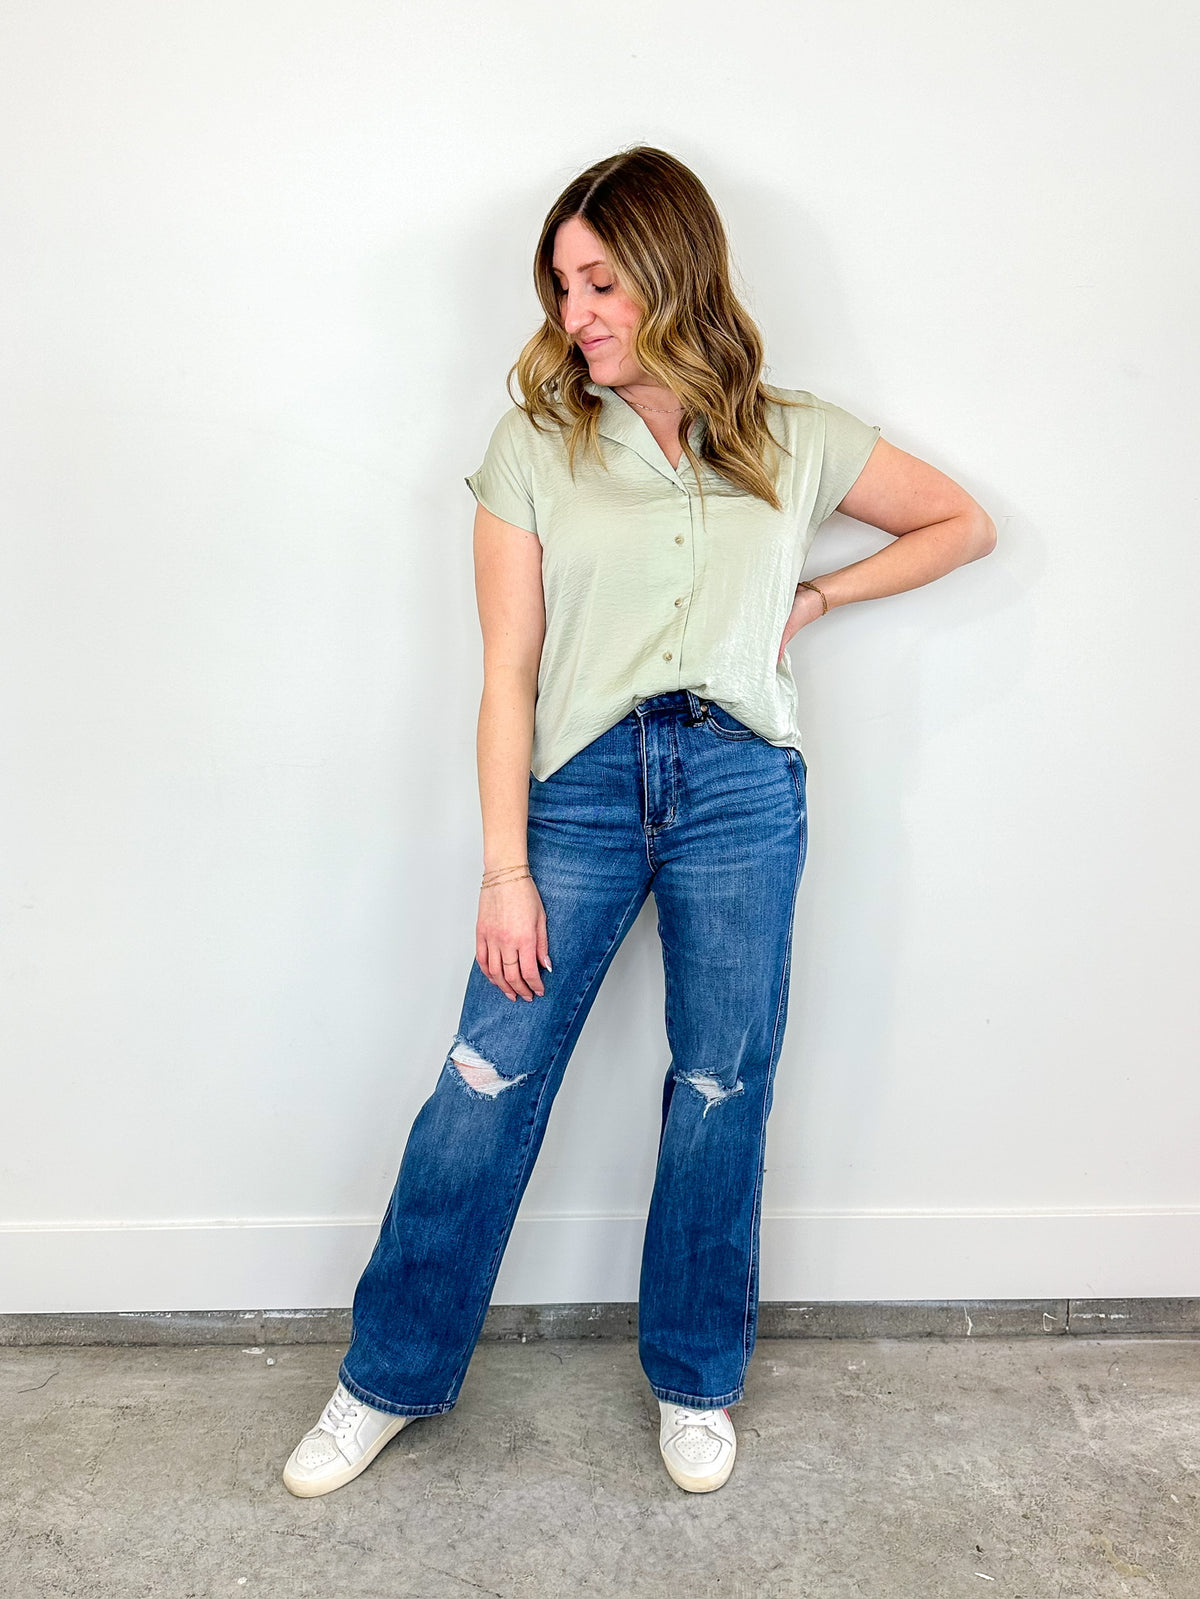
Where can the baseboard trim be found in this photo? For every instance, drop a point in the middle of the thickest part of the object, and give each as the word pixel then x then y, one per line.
pixel 812 1258
pixel 1002 1318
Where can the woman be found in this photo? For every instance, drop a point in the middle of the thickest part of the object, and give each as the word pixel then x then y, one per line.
pixel 641 529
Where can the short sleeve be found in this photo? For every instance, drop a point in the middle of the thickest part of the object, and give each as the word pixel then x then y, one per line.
pixel 503 483
pixel 848 443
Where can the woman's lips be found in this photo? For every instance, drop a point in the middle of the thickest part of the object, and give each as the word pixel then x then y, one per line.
pixel 593 344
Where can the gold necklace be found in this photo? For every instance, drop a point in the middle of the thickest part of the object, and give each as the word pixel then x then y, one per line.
pixel 658 411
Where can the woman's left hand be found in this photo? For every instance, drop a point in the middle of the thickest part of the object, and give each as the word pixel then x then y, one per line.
pixel 806 607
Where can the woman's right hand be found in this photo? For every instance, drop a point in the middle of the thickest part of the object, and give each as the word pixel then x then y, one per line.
pixel 510 937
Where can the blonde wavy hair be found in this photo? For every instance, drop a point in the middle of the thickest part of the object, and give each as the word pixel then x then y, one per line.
pixel 667 244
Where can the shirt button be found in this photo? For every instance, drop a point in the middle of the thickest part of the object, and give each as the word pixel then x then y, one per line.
pixel 679 538
pixel 666 655
pixel 679 601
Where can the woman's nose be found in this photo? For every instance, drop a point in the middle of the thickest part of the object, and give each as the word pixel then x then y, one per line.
pixel 574 315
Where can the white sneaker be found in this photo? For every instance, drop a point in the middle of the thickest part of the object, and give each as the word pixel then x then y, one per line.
pixel 697 1446
pixel 342 1444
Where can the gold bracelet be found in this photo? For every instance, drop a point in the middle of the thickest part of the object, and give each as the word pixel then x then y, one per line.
pixel 816 590
pixel 496 881
pixel 498 872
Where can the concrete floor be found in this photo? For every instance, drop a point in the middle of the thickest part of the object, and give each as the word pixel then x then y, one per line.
pixel 1029 1468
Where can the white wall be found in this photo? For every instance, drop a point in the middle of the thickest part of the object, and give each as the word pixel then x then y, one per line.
pixel 265 266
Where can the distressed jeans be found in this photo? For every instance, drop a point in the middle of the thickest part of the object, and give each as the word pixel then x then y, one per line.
pixel 682 800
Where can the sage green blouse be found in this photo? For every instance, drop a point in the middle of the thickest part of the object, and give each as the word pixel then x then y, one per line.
pixel 642 595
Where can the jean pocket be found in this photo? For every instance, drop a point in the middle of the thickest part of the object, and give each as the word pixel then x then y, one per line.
pixel 718 720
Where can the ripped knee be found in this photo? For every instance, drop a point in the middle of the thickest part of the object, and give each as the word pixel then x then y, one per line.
pixel 711 1089
pixel 478 1073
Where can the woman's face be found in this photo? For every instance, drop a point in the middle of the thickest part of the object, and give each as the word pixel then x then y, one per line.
pixel 595 310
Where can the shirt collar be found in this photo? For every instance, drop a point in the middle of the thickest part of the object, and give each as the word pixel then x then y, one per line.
pixel 621 422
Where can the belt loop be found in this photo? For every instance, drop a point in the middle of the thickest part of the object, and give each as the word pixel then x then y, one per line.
pixel 698 709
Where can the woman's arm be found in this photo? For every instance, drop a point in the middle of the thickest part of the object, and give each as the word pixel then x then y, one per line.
pixel 508 590
pixel 936 524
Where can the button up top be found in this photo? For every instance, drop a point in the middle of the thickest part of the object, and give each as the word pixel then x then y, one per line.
pixel 643 593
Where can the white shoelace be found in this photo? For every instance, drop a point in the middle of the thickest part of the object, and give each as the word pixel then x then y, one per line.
pixel 682 1417
pixel 691 1434
pixel 340 1413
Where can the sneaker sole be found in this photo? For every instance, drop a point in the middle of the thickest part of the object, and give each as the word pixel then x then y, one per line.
pixel 700 1485
pixel 313 1487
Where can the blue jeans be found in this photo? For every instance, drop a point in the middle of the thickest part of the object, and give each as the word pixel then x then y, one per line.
pixel 682 799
